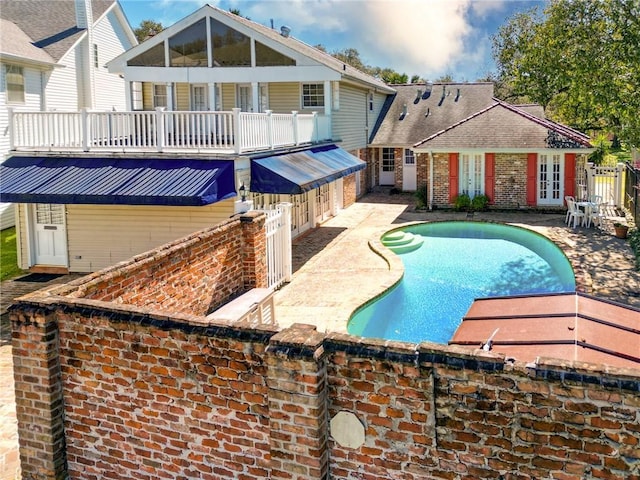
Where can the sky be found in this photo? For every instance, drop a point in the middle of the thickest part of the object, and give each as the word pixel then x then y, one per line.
pixel 429 38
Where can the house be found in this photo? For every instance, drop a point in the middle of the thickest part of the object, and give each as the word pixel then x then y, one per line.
pixel 53 55
pixel 458 139
pixel 214 110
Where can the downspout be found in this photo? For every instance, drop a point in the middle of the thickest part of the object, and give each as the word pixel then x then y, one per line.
pixel 430 180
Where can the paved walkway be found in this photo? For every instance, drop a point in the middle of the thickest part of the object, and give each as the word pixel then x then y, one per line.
pixel 336 270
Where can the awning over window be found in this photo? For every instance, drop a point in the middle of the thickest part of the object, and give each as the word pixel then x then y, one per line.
pixel 298 172
pixel 130 181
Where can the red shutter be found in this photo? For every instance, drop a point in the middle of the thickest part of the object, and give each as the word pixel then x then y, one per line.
pixel 453 176
pixel 532 174
pixel 570 174
pixel 490 176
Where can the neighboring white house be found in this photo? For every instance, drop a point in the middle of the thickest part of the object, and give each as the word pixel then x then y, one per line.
pixel 216 105
pixel 53 56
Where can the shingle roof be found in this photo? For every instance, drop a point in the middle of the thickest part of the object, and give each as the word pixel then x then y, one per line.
pixel 503 126
pixel 51 24
pixel 15 43
pixel 459 102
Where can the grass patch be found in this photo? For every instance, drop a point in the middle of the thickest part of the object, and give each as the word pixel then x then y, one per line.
pixel 8 255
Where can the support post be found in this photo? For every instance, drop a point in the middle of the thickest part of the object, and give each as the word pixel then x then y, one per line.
pixel 84 118
pixel 160 130
pixel 296 136
pixel 237 137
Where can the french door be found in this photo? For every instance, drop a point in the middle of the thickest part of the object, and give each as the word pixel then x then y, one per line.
pixel 471 180
pixel 550 179
pixel 388 167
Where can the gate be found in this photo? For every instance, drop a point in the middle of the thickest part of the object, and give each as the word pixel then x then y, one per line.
pixel 278 233
pixel 606 182
pixel 632 192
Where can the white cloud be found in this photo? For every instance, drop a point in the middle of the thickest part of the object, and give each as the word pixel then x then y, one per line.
pixel 428 38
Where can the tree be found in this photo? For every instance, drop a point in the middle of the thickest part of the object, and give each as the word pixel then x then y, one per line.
pixel 147 28
pixel 579 60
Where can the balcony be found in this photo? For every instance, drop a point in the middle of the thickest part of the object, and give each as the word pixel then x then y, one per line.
pixel 232 132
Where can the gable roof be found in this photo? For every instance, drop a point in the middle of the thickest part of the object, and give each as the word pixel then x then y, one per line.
pixel 16 45
pixel 289 43
pixel 418 111
pixel 51 24
pixel 501 126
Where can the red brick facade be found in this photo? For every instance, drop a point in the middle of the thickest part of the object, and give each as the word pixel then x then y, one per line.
pixel 112 383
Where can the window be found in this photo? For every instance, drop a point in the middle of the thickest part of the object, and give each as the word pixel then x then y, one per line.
pixel 388 159
pixel 230 47
pixel 96 63
pixel 15 84
pixel 312 95
pixel 267 57
pixel 188 48
pixel 154 57
pixel 159 95
pixel 409 157
pixel 136 96
pixel 471 172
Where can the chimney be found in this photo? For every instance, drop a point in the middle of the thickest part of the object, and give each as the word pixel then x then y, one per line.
pixel 84 13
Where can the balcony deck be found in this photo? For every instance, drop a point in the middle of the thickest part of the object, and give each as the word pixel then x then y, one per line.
pixel 233 132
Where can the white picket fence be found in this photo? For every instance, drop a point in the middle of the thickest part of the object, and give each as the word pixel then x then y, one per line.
pixel 278 232
pixel 606 182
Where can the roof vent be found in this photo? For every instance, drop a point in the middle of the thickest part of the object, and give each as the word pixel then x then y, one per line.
pixel 404 112
pixel 457 95
pixel 285 31
pixel 428 112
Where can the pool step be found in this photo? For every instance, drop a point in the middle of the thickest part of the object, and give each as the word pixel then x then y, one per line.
pixel 402 242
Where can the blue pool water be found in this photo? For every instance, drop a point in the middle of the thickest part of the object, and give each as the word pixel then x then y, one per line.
pixel 457 263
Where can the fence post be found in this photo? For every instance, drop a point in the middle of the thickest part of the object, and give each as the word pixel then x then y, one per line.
pixel 619 187
pixel 590 179
pixel 160 128
pixel 237 137
pixel 286 247
pixel 270 127
pixel 316 132
pixel 12 129
pixel 296 138
pixel 84 129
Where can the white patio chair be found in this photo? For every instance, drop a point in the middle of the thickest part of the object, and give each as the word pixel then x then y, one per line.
pixel 595 214
pixel 566 199
pixel 574 213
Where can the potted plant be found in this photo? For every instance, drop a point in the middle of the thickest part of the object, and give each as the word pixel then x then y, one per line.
pixel 621 229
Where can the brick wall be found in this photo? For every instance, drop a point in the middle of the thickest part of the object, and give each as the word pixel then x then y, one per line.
pixel 441 179
pixel 149 396
pixel 511 180
pixel 349 190
pixel 193 275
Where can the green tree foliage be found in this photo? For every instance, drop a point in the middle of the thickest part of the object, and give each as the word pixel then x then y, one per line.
pixel 147 28
pixel 580 60
pixel 351 56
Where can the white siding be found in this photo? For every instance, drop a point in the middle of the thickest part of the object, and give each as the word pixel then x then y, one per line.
pixel 350 122
pixel 378 103
pixel 110 90
pixel 7 215
pixel 102 235
pixel 61 91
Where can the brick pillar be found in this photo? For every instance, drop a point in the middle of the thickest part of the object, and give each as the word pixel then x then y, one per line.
pixel 39 396
pixel 298 404
pixel 254 250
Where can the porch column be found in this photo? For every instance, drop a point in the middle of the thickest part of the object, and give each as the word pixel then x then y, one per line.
pixel 127 97
pixel 327 98
pixel 255 96
pixel 212 95
pixel 170 97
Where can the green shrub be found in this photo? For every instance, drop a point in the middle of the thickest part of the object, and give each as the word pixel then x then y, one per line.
pixel 462 202
pixel 480 203
pixel 421 197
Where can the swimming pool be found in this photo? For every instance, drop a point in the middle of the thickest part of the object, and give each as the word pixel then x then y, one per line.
pixel 457 263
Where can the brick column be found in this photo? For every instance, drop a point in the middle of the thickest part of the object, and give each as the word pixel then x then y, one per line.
pixel 39 396
pixel 298 404
pixel 254 250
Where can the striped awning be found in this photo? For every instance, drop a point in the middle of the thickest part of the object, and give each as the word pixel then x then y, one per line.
pixel 119 181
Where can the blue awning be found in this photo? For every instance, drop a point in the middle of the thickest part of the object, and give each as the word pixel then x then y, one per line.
pixel 116 181
pixel 298 172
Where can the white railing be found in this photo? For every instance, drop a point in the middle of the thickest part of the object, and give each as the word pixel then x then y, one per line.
pixel 161 130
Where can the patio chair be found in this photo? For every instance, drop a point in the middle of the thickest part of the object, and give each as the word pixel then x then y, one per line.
pixel 566 199
pixel 574 213
pixel 595 214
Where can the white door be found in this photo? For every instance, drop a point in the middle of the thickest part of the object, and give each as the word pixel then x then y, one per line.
pixel 388 167
pixel 49 235
pixel 409 181
pixel 323 203
pixel 471 174
pixel 550 179
pixel 244 99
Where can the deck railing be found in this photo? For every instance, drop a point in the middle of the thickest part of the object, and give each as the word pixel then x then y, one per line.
pixel 163 131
